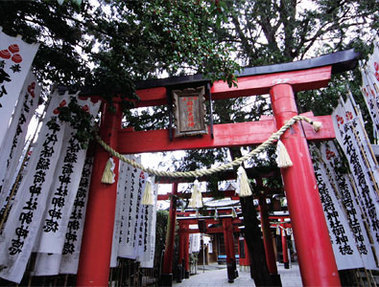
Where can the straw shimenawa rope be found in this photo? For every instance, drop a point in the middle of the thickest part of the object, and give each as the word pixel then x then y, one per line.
pixel 202 172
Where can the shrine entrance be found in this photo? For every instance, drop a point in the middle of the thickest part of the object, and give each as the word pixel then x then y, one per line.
pixel 315 254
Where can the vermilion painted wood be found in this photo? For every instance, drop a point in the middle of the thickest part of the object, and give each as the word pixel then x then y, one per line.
pixel 183 233
pixel 249 86
pixel 186 255
pixel 225 135
pixel 235 221
pixel 229 242
pixel 317 263
pixel 213 230
pixel 96 248
pixel 226 193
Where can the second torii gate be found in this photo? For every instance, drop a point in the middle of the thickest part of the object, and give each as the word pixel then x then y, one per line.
pixel 316 258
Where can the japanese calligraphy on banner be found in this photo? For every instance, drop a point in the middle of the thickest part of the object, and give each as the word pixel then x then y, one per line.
pixel 345 189
pixel 22 226
pixel 134 228
pixel 67 262
pixel 122 216
pixel 127 247
pixel 43 201
pixel 370 86
pixel 16 58
pixel 64 188
pixel 13 144
pixel 350 135
pixel 147 249
pixel 345 246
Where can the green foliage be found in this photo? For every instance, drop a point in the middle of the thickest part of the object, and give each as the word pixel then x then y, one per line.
pixel 107 46
pixel 123 40
pixel 80 120
pixel 272 32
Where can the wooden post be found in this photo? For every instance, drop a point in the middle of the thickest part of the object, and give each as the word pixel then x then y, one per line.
pixel 284 247
pixel 267 241
pixel 253 236
pixel 317 263
pixel 229 248
pixel 186 253
pixel 96 247
pixel 181 264
pixel 166 276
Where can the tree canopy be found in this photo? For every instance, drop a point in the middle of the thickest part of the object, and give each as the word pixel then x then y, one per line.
pixel 108 45
pixel 111 44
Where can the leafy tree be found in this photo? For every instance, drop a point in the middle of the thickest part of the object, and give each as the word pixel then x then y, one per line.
pixel 271 32
pixel 123 40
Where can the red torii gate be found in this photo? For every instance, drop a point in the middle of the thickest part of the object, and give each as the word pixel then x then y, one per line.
pixel 281 82
pixel 229 226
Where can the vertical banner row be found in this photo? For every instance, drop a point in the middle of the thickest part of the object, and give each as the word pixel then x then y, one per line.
pixel 41 211
pixel 350 241
pixel 351 136
pixel 134 229
pixel 13 143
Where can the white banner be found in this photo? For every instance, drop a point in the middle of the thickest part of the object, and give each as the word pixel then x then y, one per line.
pixel 134 228
pixel 194 242
pixel 13 144
pixel 149 227
pixel 47 264
pixel 347 198
pixel 23 224
pixel 128 248
pixel 75 227
pixel 66 262
pixel 344 248
pixel 140 212
pixel 64 187
pixel 122 210
pixel 350 135
pixel 16 58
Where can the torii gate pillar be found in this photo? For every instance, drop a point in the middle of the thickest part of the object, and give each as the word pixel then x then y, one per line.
pixel 227 226
pixel 96 248
pixel 283 235
pixel 183 249
pixel 317 263
pixel 267 240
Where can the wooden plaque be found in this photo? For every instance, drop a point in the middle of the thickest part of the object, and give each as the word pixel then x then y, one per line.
pixel 189 112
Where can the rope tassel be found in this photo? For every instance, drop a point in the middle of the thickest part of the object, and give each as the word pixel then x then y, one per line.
pixel 108 174
pixel 282 157
pixel 196 198
pixel 244 189
pixel 148 195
